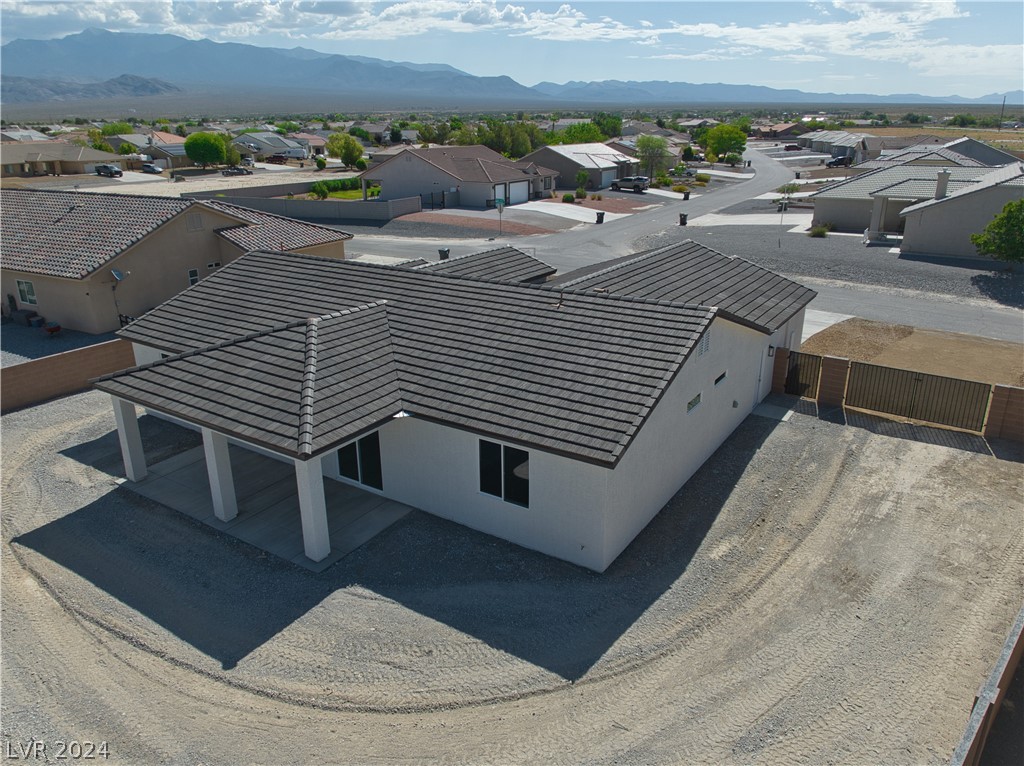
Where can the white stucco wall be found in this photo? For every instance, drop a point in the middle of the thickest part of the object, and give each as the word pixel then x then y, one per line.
pixel 674 443
pixel 436 468
pixel 843 214
pixel 946 229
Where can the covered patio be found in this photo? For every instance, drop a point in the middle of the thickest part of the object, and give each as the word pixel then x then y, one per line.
pixel 268 504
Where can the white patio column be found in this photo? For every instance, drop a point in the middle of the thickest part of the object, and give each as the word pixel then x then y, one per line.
pixel 313 508
pixel 875 229
pixel 130 438
pixel 222 482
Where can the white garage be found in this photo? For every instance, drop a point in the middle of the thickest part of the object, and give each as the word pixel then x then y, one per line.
pixel 518 192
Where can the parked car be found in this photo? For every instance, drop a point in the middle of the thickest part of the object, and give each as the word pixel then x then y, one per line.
pixel 248 162
pixel 149 167
pixel 838 162
pixel 792 147
pixel 277 159
pixel 636 183
pixel 236 171
pixel 111 171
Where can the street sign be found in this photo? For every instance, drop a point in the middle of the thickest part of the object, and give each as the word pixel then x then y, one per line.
pixel 499 203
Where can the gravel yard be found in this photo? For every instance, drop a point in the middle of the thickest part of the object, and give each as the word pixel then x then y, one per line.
pixel 817 593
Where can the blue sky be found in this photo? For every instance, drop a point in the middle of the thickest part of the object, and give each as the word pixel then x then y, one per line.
pixel 932 47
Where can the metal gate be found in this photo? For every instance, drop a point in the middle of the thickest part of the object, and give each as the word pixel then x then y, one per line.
pixel 803 374
pixel 918 396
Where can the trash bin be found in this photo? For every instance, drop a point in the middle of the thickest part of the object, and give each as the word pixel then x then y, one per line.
pixel 600 216
pixel 748 163
pixel 798 175
pixel 686 195
pixel 783 206
pixel 682 219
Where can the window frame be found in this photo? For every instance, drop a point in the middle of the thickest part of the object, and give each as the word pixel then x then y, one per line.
pixel 193 277
pixel 511 489
pixel 694 403
pixel 366 451
pixel 27 292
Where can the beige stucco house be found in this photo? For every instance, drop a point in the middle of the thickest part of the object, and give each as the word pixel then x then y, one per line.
pixel 44 158
pixel 944 225
pixel 91 261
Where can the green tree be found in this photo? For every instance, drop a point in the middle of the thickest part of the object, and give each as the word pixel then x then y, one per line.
pixel 319 190
pixel 609 124
pixel 205 149
pixel 1003 238
pixel 395 135
pixel 725 139
pixel 963 120
pixel 126 148
pixel 179 130
pixel 652 151
pixel 582 133
pixel 732 159
pixel 360 133
pixel 344 147
pixel 231 155
pixel 581 178
pixel 116 129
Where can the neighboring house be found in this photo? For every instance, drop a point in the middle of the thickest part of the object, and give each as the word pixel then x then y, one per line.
pixel 875 146
pixel 169 155
pixel 469 176
pixel 60 250
pixel 871 202
pixel 924 154
pixel 410 136
pixel 22 134
pixel 136 141
pixel 698 122
pixel 313 143
pixel 673 150
pixel 267 144
pixel 163 137
pixel 779 130
pixel 43 158
pixel 944 225
pixel 838 143
pixel 561 418
pixel 602 163
pixel 980 151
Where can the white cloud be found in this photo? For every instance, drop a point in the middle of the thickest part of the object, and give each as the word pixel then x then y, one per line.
pixel 799 58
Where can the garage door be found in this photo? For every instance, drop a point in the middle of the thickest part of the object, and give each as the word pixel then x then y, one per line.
pixel 607 176
pixel 518 192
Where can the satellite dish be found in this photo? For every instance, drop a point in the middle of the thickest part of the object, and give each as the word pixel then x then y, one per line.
pixel 117 274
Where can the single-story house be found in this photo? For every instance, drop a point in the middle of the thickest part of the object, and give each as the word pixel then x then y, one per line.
pixel 169 155
pixel 468 176
pixel 164 137
pixel 137 142
pixel 561 417
pixel 872 201
pixel 22 134
pixel 779 130
pixel 923 154
pixel 314 144
pixel 943 225
pixel 86 260
pixel 268 144
pixel 602 163
pixel 875 146
pixel 507 263
pixel 43 158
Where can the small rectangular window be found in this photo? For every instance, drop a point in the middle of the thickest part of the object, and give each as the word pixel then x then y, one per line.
pixel 27 292
pixel 693 403
pixel 214 265
pixel 193 276
pixel 360 461
pixel 720 378
pixel 194 222
pixel 505 473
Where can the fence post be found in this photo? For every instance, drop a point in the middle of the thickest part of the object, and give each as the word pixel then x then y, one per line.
pixel 835 372
pixel 780 370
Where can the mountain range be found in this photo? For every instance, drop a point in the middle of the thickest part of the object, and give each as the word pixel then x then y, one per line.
pixel 196 76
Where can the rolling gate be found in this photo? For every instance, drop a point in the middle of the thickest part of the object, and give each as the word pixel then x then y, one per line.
pixel 918 396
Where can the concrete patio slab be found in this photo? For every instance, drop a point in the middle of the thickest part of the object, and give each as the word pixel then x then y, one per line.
pixel 268 504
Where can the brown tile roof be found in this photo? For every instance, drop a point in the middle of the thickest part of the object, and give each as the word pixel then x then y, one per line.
pixel 474 164
pixel 51 151
pixel 266 231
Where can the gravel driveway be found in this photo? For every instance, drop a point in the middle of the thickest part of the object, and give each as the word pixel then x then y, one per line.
pixel 817 593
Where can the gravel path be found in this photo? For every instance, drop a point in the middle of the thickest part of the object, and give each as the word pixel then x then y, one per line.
pixel 817 594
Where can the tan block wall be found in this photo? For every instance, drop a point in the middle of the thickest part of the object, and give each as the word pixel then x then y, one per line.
pixel 832 384
pixel 61 374
pixel 1006 414
pixel 780 370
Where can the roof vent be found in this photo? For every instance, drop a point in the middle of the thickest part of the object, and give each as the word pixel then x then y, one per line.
pixel 444 252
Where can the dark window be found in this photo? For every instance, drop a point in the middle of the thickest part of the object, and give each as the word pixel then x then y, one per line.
pixel 360 461
pixel 369 461
pixel 490 468
pixel 505 472
pixel 720 378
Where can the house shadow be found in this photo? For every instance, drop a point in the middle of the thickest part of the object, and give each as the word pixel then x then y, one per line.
pixel 226 598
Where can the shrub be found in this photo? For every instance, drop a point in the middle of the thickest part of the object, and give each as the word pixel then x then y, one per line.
pixel 600 196
pixel 568 197
pixel 360 164
pixel 702 178
pixel 680 188
pixel 321 163
pixel 818 231
pixel 581 193
pixel 700 183
pixel 320 189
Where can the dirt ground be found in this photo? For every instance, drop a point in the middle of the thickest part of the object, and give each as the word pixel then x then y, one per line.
pixel 816 594
pixel 951 354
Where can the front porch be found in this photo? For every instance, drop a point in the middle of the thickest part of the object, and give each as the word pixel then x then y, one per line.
pixel 268 504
